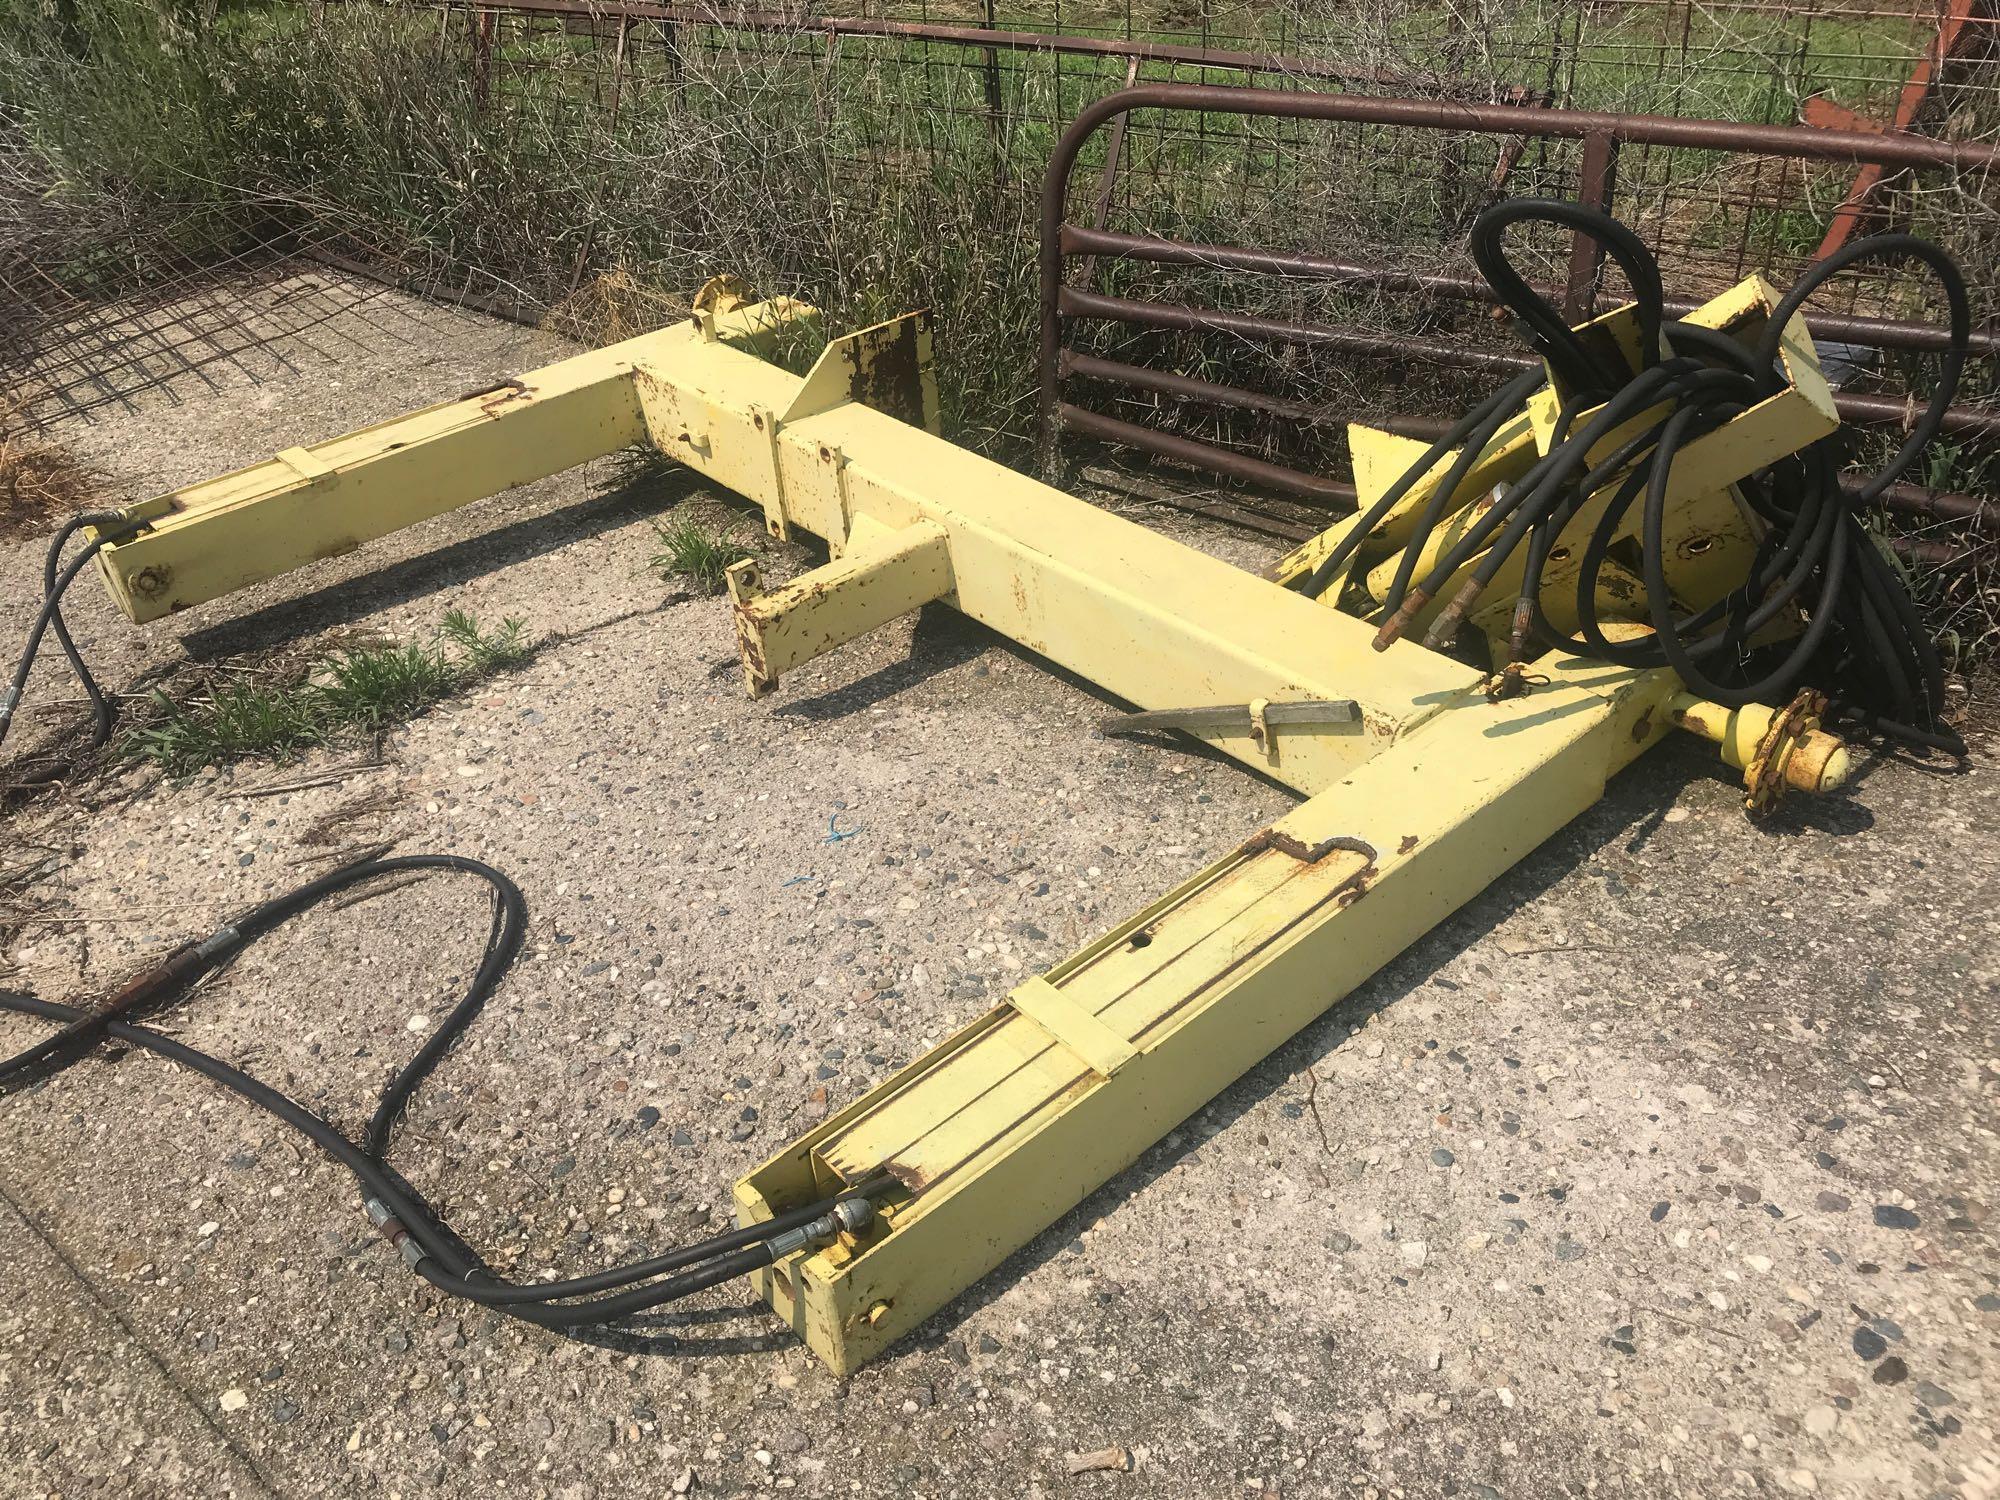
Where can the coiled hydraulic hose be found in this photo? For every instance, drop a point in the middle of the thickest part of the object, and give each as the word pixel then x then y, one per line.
pixel 1862 634
pixel 399 1212
pixel 56 579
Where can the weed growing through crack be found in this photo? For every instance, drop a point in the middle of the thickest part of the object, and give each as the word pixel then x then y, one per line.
pixel 694 552
pixel 357 691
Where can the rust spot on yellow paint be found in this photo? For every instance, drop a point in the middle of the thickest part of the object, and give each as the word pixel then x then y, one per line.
pixel 1409 843
pixel 1356 888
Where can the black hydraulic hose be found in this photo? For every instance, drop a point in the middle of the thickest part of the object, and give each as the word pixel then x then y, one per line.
pixel 1814 555
pixel 1473 431
pixel 400 1213
pixel 56 579
pixel 1548 330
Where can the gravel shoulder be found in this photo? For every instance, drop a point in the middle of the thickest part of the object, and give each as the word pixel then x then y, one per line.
pixel 1663 1168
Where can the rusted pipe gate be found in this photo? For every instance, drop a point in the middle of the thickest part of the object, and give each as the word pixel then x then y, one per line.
pixel 1601 134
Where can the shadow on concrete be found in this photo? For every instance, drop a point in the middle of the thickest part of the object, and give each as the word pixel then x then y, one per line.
pixel 1640 795
pixel 283 622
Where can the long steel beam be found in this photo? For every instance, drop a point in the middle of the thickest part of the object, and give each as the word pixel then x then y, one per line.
pixel 1151 620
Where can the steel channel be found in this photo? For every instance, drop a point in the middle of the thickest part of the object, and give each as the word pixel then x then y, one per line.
pixel 1597 179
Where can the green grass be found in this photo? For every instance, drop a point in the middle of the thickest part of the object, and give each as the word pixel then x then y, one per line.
pixel 345 694
pixel 696 553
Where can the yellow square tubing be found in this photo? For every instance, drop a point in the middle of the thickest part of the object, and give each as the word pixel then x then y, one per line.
pixel 1427 796
pixel 908 515
pixel 882 574
pixel 1003 1128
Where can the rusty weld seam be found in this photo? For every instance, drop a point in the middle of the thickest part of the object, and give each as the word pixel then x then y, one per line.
pixel 1299 849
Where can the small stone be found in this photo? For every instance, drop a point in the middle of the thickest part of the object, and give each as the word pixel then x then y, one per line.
pixel 1832 1203
pixel 1413 1253
pixel 1869 1344
pixel 1894 1216
pixel 1338 1242
pixel 684 1481
pixel 1660 1211
pixel 1892 1371
pixel 1820 1420
pixel 1568 1249
pixel 1934 1395
pixel 1758 1263
pixel 1803 1479
pixel 1443 1157
pixel 284 1410
pixel 233 1400
pixel 417 1023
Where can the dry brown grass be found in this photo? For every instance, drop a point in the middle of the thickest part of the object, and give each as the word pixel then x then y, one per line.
pixel 613 306
pixel 40 481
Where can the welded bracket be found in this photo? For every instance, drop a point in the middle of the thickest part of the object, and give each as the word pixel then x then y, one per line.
pixel 883 574
pixel 887 367
pixel 1096 1045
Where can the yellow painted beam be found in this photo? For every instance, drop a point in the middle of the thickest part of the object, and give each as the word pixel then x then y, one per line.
pixel 1003 1128
pixel 890 574
pixel 325 499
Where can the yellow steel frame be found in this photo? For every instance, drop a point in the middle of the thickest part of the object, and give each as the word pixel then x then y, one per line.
pixel 1430 794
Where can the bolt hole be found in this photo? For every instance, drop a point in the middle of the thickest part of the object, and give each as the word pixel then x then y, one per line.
pixel 1141 940
pixel 1698 545
pixel 1560 555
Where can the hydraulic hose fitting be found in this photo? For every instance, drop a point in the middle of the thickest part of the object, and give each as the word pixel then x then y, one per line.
pixel 854 1213
pixel 1393 627
pixel 391 1229
pixel 849 1215
pixel 1445 626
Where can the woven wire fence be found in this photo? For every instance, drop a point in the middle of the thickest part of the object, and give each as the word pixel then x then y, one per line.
pixel 587 164
pixel 906 106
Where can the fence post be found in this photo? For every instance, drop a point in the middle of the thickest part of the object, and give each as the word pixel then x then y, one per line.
pixel 1597 183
